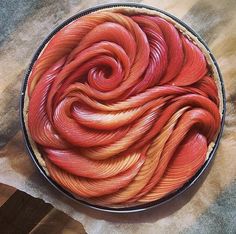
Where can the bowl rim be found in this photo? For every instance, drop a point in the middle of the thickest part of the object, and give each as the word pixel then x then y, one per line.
pixel 135 208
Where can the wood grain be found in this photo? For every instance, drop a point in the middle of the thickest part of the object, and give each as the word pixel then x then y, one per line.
pixel 6 192
pixel 58 222
pixel 21 213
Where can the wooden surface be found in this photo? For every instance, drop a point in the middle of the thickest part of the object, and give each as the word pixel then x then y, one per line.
pixel 23 25
pixel 21 213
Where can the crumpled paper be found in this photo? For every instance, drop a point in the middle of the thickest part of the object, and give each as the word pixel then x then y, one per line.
pixel 18 44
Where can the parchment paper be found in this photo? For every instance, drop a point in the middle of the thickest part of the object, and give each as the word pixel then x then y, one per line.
pixel 22 34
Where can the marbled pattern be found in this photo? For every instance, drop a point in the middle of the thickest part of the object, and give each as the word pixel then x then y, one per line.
pixel 24 24
pixel 220 217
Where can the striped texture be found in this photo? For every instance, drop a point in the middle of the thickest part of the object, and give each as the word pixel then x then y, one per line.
pixel 214 21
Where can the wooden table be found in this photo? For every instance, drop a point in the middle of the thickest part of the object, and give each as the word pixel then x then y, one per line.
pixel 21 213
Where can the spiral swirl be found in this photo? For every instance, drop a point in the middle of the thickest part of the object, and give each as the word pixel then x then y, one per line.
pixel 122 107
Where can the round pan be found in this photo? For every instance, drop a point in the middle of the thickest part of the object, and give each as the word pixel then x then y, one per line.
pixel 135 208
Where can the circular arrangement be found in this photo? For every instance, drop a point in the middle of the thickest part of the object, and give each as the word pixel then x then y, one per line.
pixel 122 107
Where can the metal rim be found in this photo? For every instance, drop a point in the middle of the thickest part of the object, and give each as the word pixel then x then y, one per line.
pixel 136 208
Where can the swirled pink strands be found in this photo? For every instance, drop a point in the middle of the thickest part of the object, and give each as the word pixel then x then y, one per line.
pixel 122 108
